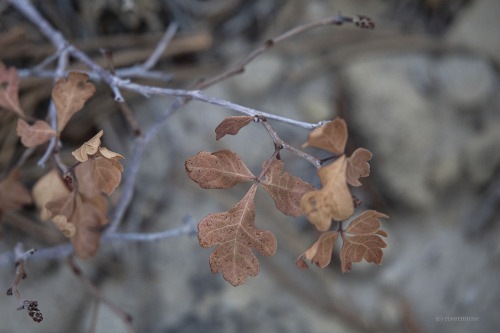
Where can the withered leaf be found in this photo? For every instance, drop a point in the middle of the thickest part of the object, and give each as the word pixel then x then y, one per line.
pixel 36 134
pixel 13 194
pixel 65 212
pixel 112 156
pixel 105 174
pixel 357 166
pixel 232 125
pixel 70 95
pixel 333 201
pixel 331 136
pixel 222 169
pixel 367 244
pixel 235 235
pixel 49 187
pixel 285 189
pixel 92 217
pixel 9 89
pixel 88 148
pixel 320 253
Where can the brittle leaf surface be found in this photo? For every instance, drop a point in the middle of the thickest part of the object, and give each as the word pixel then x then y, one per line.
pixel 36 134
pixel 357 166
pixel 320 253
pixel 331 136
pixel 88 148
pixel 235 235
pixel 9 89
pixel 232 125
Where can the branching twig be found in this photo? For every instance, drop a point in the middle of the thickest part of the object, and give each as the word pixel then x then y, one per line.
pixel 30 306
pixel 124 316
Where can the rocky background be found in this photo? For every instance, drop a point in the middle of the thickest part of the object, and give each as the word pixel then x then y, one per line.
pixel 420 91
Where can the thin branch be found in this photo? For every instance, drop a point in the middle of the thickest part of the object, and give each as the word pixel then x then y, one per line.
pixel 124 316
pixel 160 48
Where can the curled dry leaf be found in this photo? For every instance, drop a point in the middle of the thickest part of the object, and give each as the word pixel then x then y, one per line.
pixel 320 253
pixel 235 235
pixel 222 169
pixel 65 212
pixel 70 95
pixel 88 148
pixel 232 125
pixel 9 89
pixel 366 244
pixel 49 187
pixel 13 194
pixel 331 136
pixel 333 201
pixel 285 189
pixel 96 175
pixel 357 166
pixel 36 134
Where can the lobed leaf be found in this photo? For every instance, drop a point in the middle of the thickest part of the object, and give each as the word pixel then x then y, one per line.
pixel 285 189
pixel 70 95
pixel 366 244
pixel 320 253
pixel 235 235
pixel 49 187
pixel 9 89
pixel 333 201
pixel 357 166
pixel 36 134
pixel 88 148
pixel 231 125
pixel 331 136
pixel 222 169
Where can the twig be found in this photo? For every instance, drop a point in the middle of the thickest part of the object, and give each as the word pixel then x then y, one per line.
pixel 124 316
pixel 162 45
pixel 30 306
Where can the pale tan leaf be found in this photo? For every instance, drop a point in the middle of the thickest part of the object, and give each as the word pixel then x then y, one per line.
pixel 13 194
pixel 36 134
pixel 235 235
pixel 331 136
pixel 285 189
pixel 333 201
pixel 112 156
pixel 320 253
pixel 232 125
pixel 88 148
pixel 222 169
pixel 357 166
pixel 64 212
pixel 9 89
pixel 70 95
pixel 49 187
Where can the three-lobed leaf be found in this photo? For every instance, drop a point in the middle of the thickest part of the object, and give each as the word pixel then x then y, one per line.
pixel 36 134
pixel 232 125
pixel 9 89
pixel 357 166
pixel 333 201
pixel 235 235
pixel 69 96
pixel 222 169
pixel 285 189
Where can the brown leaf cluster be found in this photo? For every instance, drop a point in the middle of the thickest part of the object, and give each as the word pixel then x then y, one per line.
pixel 334 202
pixel 233 233
pixel 79 209
pixel 365 243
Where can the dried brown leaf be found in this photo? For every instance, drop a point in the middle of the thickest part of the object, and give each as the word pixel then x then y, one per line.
pixel 92 217
pixel 357 166
pixel 65 212
pixel 235 235
pixel 232 125
pixel 70 95
pixel 9 89
pixel 36 134
pixel 49 187
pixel 13 194
pixel 105 174
pixel 112 156
pixel 222 169
pixel 331 136
pixel 320 253
pixel 285 189
pixel 333 201
pixel 367 243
